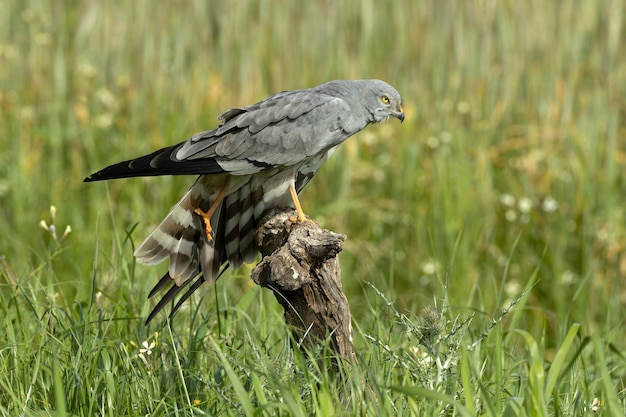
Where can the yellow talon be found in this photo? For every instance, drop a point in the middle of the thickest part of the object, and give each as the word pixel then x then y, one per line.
pixel 206 216
pixel 294 196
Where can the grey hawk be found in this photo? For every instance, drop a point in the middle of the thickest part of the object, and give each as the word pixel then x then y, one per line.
pixel 258 158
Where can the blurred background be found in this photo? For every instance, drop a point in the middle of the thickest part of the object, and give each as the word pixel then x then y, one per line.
pixel 507 174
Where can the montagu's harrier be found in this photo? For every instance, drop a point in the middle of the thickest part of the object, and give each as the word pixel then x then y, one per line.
pixel 258 158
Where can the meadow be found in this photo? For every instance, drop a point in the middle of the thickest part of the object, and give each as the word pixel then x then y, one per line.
pixel 486 248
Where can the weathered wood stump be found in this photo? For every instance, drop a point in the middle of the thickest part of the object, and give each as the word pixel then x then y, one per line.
pixel 301 268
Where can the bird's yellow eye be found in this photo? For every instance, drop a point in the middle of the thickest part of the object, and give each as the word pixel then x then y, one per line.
pixel 385 99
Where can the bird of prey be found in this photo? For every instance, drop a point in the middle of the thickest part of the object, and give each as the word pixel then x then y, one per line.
pixel 258 158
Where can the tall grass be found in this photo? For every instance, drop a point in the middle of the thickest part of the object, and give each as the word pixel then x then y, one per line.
pixel 503 187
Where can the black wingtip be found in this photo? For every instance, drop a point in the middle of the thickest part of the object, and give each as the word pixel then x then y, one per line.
pixel 163 282
pixel 169 295
pixel 161 162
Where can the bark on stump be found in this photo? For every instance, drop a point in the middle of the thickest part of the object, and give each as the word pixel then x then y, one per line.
pixel 301 268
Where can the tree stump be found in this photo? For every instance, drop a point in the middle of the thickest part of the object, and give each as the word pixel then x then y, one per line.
pixel 301 268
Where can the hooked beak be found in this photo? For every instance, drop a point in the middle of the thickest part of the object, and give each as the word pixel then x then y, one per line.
pixel 399 113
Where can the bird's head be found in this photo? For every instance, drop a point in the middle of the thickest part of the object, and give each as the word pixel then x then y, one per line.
pixel 384 101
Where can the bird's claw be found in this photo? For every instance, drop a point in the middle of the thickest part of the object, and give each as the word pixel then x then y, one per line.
pixel 206 218
pixel 301 218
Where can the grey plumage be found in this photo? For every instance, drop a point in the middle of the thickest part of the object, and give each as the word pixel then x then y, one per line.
pixel 251 160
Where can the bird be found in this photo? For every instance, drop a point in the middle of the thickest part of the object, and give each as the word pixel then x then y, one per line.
pixel 258 158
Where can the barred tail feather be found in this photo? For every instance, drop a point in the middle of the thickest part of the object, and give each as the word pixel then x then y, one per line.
pixel 246 222
pixel 232 206
pixel 181 237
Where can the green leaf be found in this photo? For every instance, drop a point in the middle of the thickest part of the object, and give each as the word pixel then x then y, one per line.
pixel 559 359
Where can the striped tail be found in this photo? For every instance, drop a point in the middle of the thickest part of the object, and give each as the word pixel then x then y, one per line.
pixel 181 236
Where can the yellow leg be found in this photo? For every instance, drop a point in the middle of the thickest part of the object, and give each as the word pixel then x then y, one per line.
pixel 206 216
pixel 294 196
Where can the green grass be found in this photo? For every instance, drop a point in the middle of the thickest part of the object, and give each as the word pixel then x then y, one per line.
pixel 485 258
